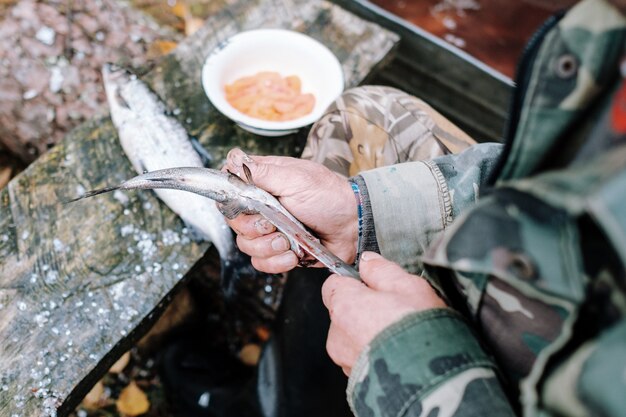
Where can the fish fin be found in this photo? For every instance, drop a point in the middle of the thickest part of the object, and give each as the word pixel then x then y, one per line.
pixel 247 173
pixel 93 193
pixel 231 210
pixel 235 178
pixel 233 271
pixel 205 156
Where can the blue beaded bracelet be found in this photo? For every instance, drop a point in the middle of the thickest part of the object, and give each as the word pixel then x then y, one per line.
pixel 359 202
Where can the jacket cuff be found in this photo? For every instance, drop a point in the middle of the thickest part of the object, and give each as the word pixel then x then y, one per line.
pixel 368 240
pixel 409 199
pixel 425 352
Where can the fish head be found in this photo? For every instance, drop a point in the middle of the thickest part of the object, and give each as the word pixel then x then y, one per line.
pixel 114 75
pixel 116 85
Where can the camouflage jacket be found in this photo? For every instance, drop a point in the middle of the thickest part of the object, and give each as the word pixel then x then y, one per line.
pixel 534 268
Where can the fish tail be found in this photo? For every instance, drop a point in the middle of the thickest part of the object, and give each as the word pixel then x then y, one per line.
pixel 233 270
pixel 93 193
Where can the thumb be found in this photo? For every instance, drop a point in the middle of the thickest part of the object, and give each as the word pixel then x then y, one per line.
pixel 266 172
pixel 381 274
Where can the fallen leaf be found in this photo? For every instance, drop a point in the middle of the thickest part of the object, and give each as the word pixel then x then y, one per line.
pixel 181 9
pixel 159 48
pixel 192 25
pixel 133 401
pixel 250 354
pixel 120 364
pixel 263 333
pixel 5 176
pixel 93 399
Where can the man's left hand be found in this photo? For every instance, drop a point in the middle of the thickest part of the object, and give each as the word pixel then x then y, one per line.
pixel 361 310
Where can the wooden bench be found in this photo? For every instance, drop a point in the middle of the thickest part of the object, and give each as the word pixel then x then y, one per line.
pixel 81 282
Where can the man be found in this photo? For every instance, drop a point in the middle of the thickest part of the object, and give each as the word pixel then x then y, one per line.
pixel 521 249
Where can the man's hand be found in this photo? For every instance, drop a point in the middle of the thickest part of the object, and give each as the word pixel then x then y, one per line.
pixel 322 200
pixel 359 311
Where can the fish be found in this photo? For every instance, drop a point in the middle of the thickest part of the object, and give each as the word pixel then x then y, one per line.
pixel 237 196
pixel 153 139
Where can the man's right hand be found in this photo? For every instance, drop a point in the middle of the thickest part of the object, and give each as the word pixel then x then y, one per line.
pixel 322 200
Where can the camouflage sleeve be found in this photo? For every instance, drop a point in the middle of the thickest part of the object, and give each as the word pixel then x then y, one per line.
pixel 419 200
pixel 592 381
pixel 427 364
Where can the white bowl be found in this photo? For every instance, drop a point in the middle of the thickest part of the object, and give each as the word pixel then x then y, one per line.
pixel 283 51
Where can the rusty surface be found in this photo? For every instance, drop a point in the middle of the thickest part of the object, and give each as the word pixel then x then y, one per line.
pixel 494 31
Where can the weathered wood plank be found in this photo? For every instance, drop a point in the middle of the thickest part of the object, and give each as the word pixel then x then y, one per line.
pixel 75 279
pixel 79 282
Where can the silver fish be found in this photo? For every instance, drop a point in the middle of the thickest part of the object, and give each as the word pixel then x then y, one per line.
pixel 153 140
pixel 237 196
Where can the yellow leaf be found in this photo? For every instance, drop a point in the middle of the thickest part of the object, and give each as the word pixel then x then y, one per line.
pixel 263 333
pixel 250 354
pixel 192 25
pixel 180 9
pixel 165 46
pixel 92 399
pixel 160 48
pixel 133 401
pixel 120 364
pixel 5 176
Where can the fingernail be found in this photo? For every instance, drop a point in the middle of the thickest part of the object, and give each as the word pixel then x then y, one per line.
pixel 287 259
pixel 238 157
pixel 263 226
pixel 280 244
pixel 368 256
pixel 234 157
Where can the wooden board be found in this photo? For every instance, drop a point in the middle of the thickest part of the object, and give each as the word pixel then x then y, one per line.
pixel 80 282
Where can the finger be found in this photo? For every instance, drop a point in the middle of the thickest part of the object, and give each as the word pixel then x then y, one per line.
pixel 276 264
pixel 383 275
pixel 236 157
pixel 328 291
pixel 340 347
pixel 284 161
pixel 267 172
pixel 251 225
pixel 264 246
pixel 337 286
